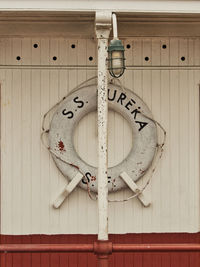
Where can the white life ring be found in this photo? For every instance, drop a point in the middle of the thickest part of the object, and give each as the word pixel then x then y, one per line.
pixel 80 103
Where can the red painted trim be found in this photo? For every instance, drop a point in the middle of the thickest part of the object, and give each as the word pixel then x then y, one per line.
pixel 175 259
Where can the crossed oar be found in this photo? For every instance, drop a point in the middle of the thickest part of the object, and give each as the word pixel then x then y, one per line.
pixel 78 177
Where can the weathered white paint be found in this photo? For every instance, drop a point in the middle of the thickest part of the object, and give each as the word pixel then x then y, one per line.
pixel 30 180
pixel 67 190
pixel 83 101
pixel 133 186
pixel 67 24
pixel 103 27
pixel 113 5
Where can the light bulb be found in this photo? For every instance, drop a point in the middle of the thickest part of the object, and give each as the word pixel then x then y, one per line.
pixel 117 62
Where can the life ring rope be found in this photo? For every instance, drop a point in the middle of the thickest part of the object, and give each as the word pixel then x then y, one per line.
pixel 153 166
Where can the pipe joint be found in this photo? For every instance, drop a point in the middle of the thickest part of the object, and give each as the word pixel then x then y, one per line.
pixel 103 248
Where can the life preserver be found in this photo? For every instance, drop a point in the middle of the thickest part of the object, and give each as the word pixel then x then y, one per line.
pixel 80 103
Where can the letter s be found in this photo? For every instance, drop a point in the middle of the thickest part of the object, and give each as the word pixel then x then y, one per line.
pixel 80 102
pixel 69 113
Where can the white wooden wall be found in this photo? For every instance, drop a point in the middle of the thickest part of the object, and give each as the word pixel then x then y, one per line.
pixel 29 178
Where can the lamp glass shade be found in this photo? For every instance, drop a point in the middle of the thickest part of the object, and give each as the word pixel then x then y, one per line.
pixel 116 58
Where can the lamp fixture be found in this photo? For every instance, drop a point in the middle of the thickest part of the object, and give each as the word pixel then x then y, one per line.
pixel 116 59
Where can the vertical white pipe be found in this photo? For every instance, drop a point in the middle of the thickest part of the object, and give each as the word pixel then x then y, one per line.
pixel 114 20
pixel 103 27
pixel 102 140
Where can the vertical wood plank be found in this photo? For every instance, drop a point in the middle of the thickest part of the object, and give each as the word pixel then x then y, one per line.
pixel 164 52
pixel 63 51
pixel 156 52
pixel 196 132
pixel 191 56
pixel 184 149
pixel 17 51
pixel 64 257
pixel 156 179
pixel 6 148
pixel 119 206
pixel 26 51
pixel 36 51
pixel 184 135
pixel 119 257
pixel 54 52
pixel 183 52
pixel 17 257
pixel 196 52
pixel 137 52
pixel 85 137
pixel 128 143
pixel 45 257
pixel 64 209
pixel 165 167
pixel 53 174
pixel 73 200
pixel 9 51
pixel 137 211
pixel 45 53
pixel 26 257
pixel 16 118
pixel 17 155
pixel 147 52
pixel 35 257
pixel 3 51
pixel 147 92
pixel 35 150
pixel 174 55
pixel 174 146
pixel 26 204
pixel 46 200
pixel 91 52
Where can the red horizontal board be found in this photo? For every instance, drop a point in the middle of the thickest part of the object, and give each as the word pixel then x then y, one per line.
pixel 171 259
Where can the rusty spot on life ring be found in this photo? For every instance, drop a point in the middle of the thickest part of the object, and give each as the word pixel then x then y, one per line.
pixel 93 178
pixel 61 146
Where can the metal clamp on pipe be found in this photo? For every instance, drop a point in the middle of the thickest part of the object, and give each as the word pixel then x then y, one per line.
pixel 103 248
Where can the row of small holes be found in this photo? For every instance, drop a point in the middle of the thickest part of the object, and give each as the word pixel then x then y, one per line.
pixel 91 58
pixel 163 46
pixel 54 58
pixel 128 46
pixel 36 46
pixel 147 58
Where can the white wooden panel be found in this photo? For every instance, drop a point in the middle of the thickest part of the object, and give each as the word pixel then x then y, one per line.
pixel 128 82
pixel 164 52
pixel 35 150
pixel 44 47
pixel 45 157
pixel 166 175
pixel 26 163
pixel 156 53
pixel 174 52
pixel 73 204
pixel 30 180
pixel 53 172
pixel 156 179
pixel 81 52
pixel 147 92
pixel 138 89
pixel 147 52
